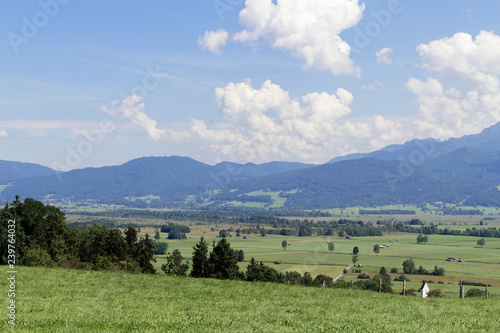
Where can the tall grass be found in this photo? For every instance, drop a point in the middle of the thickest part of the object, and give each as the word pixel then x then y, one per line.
pixel 56 300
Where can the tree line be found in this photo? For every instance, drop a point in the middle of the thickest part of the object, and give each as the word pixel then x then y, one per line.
pixel 44 239
pixel 222 263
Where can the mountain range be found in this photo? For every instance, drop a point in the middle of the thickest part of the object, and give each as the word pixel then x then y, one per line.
pixel 459 170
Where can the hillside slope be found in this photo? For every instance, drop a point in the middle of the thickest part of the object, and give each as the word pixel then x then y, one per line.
pixel 59 300
pixel 10 171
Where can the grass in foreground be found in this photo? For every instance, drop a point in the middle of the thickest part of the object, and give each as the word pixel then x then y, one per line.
pixel 56 300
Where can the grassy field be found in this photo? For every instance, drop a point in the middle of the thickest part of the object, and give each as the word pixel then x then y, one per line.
pixel 310 254
pixel 56 300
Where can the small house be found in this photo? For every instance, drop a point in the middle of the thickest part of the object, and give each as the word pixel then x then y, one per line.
pixel 348 237
pixel 424 290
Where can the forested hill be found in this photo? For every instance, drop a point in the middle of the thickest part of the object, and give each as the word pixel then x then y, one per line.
pixel 170 178
pixel 465 175
pixel 10 171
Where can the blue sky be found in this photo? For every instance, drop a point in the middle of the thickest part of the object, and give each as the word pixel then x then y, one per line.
pixel 87 84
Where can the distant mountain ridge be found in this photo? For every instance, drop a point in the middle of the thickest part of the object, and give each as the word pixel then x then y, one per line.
pixel 10 171
pixel 463 170
pixel 488 140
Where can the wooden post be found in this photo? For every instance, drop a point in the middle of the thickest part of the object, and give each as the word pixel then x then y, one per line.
pixel 379 285
pixel 351 284
pixel 486 291
pixel 460 284
pixel 404 287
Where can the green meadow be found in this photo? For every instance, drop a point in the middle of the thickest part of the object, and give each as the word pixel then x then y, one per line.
pixel 310 254
pixel 57 300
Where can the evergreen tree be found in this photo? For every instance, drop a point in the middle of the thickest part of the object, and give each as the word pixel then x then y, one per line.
pixel 200 259
pixel 145 254
pixel 131 240
pixel 174 265
pixel 284 244
pixel 157 235
pixel 222 263
pixel 355 250
pixel 331 246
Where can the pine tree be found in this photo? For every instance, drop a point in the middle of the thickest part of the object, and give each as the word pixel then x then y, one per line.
pixel 174 265
pixel 222 263
pixel 131 240
pixel 200 259
pixel 145 254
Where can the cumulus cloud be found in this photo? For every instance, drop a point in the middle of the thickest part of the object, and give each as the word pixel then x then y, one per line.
pixel 383 56
pixel 132 108
pixel 3 134
pixel 309 30
pixel 213 40
pixel 263 123
pixel 475 63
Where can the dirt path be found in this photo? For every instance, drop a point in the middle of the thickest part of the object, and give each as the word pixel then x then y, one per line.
pixel 338 277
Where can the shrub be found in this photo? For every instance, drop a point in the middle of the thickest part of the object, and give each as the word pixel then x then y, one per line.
pixel 366 285
pixel 364 276
pixel 435 293
pixel 38 258
pixel 394 270
pixel 68 261
pixel 386 288
pixel 355 270
pixel 345 271
pixel 402 277
pixel 277 262
pixel 475 292
pixel 409 292
pixel 386 279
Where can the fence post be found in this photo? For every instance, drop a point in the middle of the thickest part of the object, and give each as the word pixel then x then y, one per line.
pixel 351 284
pixel 404 287
pixel 379 285
pixel 486 291
pixel 460 286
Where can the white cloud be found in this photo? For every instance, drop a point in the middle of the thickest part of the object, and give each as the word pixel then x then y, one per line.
pixel 309 30
pixel 3 134
pixel 265 123
pixel 383 56
pixel 132 108
pixel 475 63
pixel 213 40
pixel 373 86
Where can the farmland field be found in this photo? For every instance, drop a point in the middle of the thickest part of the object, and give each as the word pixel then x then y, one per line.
pixel 57 300
pixel 481 264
